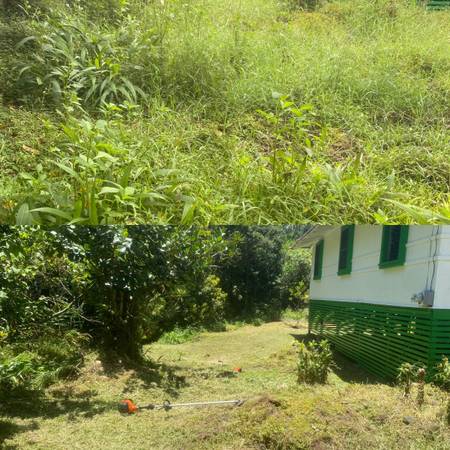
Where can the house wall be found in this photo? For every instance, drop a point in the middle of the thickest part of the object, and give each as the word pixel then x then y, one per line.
pixel 427 263
pixel 442 285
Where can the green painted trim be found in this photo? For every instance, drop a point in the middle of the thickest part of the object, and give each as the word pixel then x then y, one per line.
pixel 386 263
pixel 382 337
pixel 347 268
pixel 435 5
pixel 318 260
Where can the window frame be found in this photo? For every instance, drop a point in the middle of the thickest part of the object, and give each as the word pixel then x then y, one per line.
pixel 385 239
pixel 318 260
pixel 347 269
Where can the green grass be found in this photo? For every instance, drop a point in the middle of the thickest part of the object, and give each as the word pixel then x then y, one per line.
pixel 179 336
pixel 376 74
pixel 354 410
pixel 295 314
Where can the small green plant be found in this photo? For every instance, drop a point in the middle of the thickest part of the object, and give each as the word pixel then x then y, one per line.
pixel 442 379
pixel 294 132
pixel 421 386
pixel 407 375
pixel 315 360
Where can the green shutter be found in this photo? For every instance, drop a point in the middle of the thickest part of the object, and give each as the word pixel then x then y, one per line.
pixel 393 246
pixel 318 260
pixel 346 250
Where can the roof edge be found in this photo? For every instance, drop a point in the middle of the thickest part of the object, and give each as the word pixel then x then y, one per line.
pixel 313 235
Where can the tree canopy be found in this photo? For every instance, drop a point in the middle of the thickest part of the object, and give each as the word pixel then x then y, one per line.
pixel 120 287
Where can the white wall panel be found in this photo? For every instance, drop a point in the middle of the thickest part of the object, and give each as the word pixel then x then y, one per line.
pixel 393 286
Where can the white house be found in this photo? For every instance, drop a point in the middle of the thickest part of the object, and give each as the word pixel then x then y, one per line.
pixel 381 294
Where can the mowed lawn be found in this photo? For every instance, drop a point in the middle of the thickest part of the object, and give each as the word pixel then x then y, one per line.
pixel 355 410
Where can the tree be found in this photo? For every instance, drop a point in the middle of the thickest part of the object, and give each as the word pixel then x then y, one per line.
pixel 249 276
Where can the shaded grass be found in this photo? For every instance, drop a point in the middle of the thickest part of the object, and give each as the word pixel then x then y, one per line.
pixel 354 410
pixel 376 73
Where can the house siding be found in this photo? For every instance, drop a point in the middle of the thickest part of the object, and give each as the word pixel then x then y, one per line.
pixel 370 316
pixel 427 265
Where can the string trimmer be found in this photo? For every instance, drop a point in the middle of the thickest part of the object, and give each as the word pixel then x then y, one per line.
pixel 128 407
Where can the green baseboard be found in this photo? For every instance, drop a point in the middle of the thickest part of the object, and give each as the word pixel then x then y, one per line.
pixel 380 337
pixel 438 4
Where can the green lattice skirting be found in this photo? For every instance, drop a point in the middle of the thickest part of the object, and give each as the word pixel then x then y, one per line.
pixel 438 4
pixel 379 337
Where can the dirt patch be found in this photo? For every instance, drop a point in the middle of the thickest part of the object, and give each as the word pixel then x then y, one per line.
pixel 343 146
pixel 263 402
pixel 323 443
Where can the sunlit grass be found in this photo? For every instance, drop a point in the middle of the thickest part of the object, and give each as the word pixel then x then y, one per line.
pixel 376 74
pixel 278 411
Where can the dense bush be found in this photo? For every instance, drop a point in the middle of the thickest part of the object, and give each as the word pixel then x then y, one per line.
pixel 42 361
pixel 40 287
pixel 294 278
pixel 67 63
pixel 102 184
pixel 249 276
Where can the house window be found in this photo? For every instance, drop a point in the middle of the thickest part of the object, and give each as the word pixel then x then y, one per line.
pixel 346 250
pixel 318 261
pixel 393 245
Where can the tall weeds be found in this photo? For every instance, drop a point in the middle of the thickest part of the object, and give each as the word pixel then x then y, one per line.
pixel 376 73
pixel 69 65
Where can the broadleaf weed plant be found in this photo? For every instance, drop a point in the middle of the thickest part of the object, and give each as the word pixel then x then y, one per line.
pixel 66 62
pixel 315 360
pixel 101 184
pixel 293 134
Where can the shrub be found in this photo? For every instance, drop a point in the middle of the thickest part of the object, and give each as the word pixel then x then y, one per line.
pixel 17 370
pixel 250 274
pixel 442 375
pixel 315 360
pixel 294 278
pixel 442 379
pixel 40 288
pixel 212 299
pixel 408 374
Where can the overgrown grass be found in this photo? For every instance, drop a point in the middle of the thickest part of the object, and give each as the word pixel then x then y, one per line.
pixel 36 364
pixel 354 410
pixel 180 335
pixel 374 144
pixel 295 314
